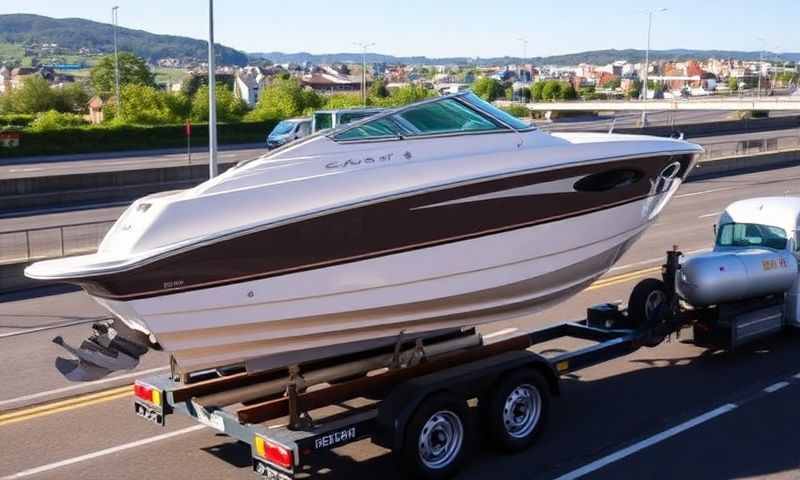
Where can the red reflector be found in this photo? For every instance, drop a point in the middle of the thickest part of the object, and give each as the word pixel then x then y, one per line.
pixel 143 392
pixel 279 455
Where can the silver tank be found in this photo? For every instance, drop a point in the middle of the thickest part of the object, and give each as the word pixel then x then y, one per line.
pixel 729 276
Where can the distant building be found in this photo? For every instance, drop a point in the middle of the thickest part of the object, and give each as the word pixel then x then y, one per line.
pixel 5 79
pixel 248 83
pixel 329 80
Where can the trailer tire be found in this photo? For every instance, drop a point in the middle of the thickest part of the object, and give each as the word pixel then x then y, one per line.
pixel 437 439
pixel 517 410
pixel 646 307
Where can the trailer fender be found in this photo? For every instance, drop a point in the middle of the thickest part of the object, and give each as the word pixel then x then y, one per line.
pixel 466 381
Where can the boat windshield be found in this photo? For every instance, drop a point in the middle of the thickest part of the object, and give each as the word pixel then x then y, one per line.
pixel 751 235
pixel 487 107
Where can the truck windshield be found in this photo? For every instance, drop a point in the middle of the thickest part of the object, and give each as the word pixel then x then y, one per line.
pixel 751 235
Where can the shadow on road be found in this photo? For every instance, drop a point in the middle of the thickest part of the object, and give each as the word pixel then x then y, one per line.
pixel 595 417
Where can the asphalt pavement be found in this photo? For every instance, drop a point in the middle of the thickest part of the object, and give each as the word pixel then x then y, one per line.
pixel 674 411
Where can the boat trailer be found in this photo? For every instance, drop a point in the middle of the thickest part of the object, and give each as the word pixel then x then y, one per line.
pixel 423 397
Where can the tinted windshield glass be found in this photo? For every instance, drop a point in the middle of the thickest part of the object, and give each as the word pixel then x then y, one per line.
pixel 322 121
pixel 444 116
pixel 751 235
pixel 283 128
pixel 495 112
pixel 347 117
pixel 381 128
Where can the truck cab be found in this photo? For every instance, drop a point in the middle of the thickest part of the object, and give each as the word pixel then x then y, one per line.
pixel 766 222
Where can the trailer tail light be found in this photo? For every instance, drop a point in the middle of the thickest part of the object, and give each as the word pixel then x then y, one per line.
pixel 147 393
pixel 274 453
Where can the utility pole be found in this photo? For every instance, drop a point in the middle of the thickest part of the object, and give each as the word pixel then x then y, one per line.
pixel 115 22
pixel 212 96
pixel 364 46
pixel 647 61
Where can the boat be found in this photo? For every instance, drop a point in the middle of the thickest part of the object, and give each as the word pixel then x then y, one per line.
pixel 443 214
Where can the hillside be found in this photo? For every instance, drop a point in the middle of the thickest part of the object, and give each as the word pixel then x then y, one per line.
pixel 597 57
pixel 73 34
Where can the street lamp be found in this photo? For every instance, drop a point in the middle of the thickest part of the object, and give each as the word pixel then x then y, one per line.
pixel 364 46
pixel 524 42
pixel 115 22
pixel 647 61
pixel 760 63
pixel 212 96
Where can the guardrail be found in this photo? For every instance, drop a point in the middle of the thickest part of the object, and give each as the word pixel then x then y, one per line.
pixel 22 246
pixel 716 150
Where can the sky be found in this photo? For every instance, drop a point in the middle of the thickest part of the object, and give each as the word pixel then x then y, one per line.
pixel 469 28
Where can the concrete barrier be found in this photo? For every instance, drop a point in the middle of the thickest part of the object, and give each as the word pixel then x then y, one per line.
pixel 21 195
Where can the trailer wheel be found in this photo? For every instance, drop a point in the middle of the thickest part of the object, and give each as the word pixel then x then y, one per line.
pixel 437 438
pixel 517 410
pixel 646 306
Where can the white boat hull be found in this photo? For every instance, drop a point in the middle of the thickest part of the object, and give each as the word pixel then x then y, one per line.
pixel 424 290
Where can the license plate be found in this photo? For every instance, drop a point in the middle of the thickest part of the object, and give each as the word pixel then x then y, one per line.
pixel 149 413
pixel 269 472
pixel 209 419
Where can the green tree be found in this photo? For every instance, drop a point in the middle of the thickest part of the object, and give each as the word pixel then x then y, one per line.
pixel 378 89
pixel 132 70
pixel 551 90
pixel 525 94
pixel 536 91
pixel 407 94
pixel 343 100
pixel 229 108
pixel 634 90
pixel 488 88
pixel 70 98
pixel 147 105
pixel 283 98
pixel 613 84
pixel 34 96
pixel 567 92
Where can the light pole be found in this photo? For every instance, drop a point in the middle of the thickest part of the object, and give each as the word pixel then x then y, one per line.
pixel 115 22
pixel 760 64
pixel 212 96
pixel 647 61
pixel 364 46
pixel 524 53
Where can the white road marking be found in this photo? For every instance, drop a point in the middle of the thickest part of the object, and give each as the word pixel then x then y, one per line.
pixel 776 386
pixel 70 388
pixel 49 327
pixel 501 332
pixel 655 260
pixel 797 375
pixel 13 170
pixel 694 194
pixel 712 214
pixel 660 437
pixel 101 453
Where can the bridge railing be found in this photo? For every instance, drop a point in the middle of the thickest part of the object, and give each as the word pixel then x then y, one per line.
pixel 21 246
pixel 728 149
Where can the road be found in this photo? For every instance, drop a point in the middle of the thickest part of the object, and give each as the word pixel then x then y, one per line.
pixel 114 163
pixel 654 118
pixel 675 411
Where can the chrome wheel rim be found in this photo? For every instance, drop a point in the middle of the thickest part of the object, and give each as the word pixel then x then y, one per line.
pixel 654 301
pixel 521 410
pixel 440 439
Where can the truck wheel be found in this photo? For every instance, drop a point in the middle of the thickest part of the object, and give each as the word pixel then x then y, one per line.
pixel 646 306
pixel 517 410
pixel 437 438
